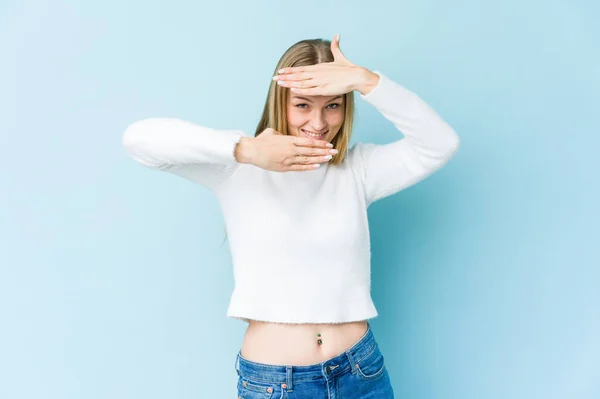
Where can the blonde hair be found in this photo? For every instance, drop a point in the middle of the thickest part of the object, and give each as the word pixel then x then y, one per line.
pixel 304 53
pixel 274 116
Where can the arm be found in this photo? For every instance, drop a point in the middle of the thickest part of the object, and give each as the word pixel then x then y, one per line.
pixel 200 154
pixel 428 143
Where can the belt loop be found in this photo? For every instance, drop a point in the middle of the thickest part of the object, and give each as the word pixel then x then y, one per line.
pixel 237 363
pixel 288 375
pixel 351 360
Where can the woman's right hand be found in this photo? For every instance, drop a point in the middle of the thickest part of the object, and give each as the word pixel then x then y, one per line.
pixel 277 152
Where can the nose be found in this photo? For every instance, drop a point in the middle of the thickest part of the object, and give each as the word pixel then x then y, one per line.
pixel 318 121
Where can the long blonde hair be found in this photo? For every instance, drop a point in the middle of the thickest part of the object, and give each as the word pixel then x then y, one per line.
pixel 274 116
pixel 304 53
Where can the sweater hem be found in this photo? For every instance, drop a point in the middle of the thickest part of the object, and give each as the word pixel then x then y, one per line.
pixel 245 316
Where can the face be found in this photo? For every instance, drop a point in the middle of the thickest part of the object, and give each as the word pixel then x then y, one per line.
pixel 318 117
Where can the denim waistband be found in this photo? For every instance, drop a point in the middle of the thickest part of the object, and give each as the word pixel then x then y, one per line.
pixel 327 369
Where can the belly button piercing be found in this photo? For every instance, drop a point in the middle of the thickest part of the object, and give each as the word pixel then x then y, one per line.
pixel 319 341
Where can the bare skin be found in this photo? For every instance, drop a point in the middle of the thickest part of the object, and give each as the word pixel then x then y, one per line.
pixel 296 344
pixel 315 113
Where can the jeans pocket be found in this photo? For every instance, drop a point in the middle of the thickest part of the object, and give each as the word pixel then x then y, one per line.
pixel 252 389
pixel 372 366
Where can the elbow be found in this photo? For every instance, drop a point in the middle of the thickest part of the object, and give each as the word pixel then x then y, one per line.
pixel 446 147
pixel 452 145
pixel 456 144
pixel 133 134
pixel 130 135
pixel 131 138
pixel 135 140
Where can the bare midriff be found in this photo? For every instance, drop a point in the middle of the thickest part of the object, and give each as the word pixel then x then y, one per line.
pixel 298 344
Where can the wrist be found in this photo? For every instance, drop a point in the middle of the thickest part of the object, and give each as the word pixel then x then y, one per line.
pixel 367 81
pixel 243 150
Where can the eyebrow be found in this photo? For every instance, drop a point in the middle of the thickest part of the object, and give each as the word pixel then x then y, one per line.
pixel 306 99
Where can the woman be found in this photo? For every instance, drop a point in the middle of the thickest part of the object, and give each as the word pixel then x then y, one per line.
pixel 299 240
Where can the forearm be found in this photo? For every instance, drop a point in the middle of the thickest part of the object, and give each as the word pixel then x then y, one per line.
pixel 163 142
pixel 366 81
pixel 421 125
pixel 428 143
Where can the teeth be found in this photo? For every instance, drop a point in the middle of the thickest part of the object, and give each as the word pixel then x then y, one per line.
pixel 313 134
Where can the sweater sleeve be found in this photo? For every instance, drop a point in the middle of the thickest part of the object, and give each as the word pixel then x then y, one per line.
pixel 428 142
pixel 197 153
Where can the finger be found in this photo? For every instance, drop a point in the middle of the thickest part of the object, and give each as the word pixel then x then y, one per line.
pixel 293 76
pixel 314 152
pixel 335 46
pixel 288 70
pixel 337 52
pixel 306 68
pixel 308 142
pixel 310 160
pixel 301 160
pixel 306 160
pixel 338 56
pixel 299 84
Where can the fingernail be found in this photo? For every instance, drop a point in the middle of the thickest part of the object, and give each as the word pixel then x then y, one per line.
pixel 334 151
pixel 328 157
pixel 317 165
pixel 329 145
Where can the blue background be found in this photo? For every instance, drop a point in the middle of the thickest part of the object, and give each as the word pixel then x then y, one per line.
pixel 114 279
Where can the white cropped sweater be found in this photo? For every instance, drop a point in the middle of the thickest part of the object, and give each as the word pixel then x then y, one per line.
pixel 299 240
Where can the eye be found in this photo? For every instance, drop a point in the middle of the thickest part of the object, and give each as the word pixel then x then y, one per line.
pixel 336 105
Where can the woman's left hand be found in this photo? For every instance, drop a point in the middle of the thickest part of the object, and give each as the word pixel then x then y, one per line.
pixel 325 79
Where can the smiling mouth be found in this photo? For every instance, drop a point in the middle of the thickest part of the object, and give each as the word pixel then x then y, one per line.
pixel 314 135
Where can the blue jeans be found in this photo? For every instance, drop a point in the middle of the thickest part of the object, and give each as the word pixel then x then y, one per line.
pixel 359 372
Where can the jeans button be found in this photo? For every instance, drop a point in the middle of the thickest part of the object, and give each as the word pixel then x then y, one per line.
pixel 328 369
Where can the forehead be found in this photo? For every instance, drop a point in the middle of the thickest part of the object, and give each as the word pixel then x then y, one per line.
pixel 316 98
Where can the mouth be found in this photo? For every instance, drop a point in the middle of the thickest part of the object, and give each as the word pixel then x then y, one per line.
pixel 314 135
